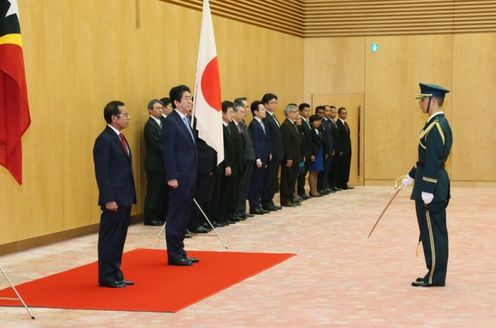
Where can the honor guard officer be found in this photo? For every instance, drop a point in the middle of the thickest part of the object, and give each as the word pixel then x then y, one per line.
pixel 431 190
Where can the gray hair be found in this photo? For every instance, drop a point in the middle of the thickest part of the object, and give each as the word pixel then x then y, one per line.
pixel 290 108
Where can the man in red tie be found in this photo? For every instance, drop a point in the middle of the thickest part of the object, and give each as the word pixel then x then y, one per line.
pixel 114 176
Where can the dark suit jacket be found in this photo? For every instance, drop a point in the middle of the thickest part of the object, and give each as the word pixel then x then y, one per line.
pixel 345 138
pixel 274 134
pixel 329 141
pixel 249 152
pixel 230 151
pixel 179 151
pixel 207 157
pixel 317 142
pixel 260 141
pixel 154 160
pixel 306 133
pixel 336 138
pixel 292 141
pixel 239 145
pixel 113 170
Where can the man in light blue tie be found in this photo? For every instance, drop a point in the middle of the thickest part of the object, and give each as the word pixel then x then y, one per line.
pixel 181 166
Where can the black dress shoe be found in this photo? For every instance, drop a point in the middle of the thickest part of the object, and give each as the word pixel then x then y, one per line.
pixel 188 234
pixel 296 203
pixel 180 262
pixel 278 207
pixel 304 196
pixel 193 259
pixel 115 284
pixel 154 223
pixel 422 283
pixel 199 229
pixel 419 279
pixel 288 204
pixel 257 211
pixel 249 215
pixel 127 282
pixel 270 208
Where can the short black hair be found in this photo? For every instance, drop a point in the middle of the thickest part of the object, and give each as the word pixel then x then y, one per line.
pixel 112 109
pixel 268 97
pixel 237 104
pixel 176 93
pixel 319 108
pixel 302 106
pixel 314 118
pixel 165 101
pixel 153 102
pixel 341 109
pixel 240 99
pixel 226 104
pixel 254 106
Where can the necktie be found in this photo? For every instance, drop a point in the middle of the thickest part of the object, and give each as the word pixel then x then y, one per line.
pixel 124 143
pixel 186 122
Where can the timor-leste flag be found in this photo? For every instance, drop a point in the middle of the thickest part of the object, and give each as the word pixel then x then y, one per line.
pixel 14 109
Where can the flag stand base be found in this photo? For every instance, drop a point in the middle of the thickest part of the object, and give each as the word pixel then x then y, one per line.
pixel 18 298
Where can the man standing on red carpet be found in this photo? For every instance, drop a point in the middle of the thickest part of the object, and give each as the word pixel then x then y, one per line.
pixel 114 176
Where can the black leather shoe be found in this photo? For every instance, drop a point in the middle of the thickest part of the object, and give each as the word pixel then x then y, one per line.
pixel 278 207
pixel 425 284
pixel 127 282
pixel 249 215
pixel 296 203
pixel 304 196
pixel 154 223
pixel 257 211
pixel 288 204
pixel 193 259
pixel 270 208
pixel 188 234
pixel 199 229
pixel 180 262
pixel 419 279
pixel 115 284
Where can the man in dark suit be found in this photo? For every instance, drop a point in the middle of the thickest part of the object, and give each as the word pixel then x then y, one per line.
pixel 261 144
pixel 325 128
pixel 272 126
pixel 181 165
pixel 248 156
pixel 345 155
pixel 156 186
pixel 114 176
pixel 306 132
pixel 336 149
pixel 293 155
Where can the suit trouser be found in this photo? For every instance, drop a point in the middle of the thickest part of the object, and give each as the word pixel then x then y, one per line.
pixel 344 169
pixel 334 170
pixel 111 239
pixel 302 178
pixel 244 187
pixel 203 195
pixel 180 204
pixel 227 197
pixel 255 192
pixel 270 182
pixel 434 236
pixel 323 180
pixel 288 181
pixel 156 200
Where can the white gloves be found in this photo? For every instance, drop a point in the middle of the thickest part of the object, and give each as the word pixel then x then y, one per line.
pixel 406 181
pixel 427 197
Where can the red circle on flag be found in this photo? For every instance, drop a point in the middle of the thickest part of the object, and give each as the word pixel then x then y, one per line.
pixel 210 84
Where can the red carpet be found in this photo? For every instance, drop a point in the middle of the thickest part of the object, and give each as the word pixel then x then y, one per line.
pixel 159 287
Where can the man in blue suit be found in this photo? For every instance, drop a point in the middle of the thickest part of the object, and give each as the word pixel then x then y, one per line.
pixel 181 166
pixel 260 140
pixel 114 176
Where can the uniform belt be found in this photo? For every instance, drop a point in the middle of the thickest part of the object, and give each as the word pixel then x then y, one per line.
pixel 421 164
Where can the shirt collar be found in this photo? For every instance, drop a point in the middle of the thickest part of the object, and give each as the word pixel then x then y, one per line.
pixel 156 120
pixel 258 119
pixel 181 114
pixel 115 130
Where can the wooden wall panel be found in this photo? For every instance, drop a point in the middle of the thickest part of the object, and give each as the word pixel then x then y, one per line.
pixel 474 118
pixel 392 115
pixel 397 17
pixel 79 56
pixel 334 66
